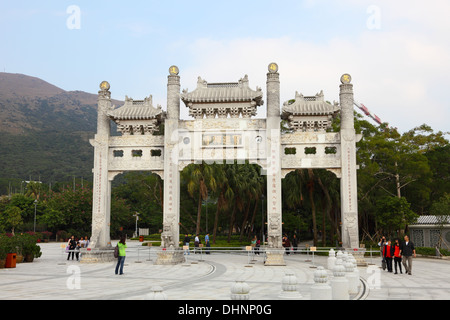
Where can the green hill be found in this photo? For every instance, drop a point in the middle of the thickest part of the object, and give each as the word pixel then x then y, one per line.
pixel 44 132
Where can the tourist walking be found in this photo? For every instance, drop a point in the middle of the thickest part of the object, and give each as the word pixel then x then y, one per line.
pixel 397 256
pixel 196 243
pixel 381 244
pixel 295 243
pixel 86 242
pixel 122 253
pixel 286 244
pixel 77 250
pixel 208 244
pixel 407 250
pixel 388 253
pixel 186 241
pixel 71 246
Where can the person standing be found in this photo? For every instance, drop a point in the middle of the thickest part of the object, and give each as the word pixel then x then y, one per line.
pixel 208 244
pixel 286 244
pixel 196 243
pixel 381 244
pixel 397 256
pixel 77 250
pixel 186 241
pixel 71 246
pixel 122 253
pixel 295 243
pixel 86 242
pixel 388 254
pixel 407 250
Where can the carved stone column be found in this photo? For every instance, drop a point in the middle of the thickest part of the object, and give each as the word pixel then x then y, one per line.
pixel 170 236
pixel 100 237
pixel 349 191
pixel 275 251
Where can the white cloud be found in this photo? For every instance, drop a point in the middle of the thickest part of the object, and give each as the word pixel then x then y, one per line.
pixel 400 73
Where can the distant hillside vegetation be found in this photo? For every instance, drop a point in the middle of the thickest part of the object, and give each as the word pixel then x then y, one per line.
pixel 44 131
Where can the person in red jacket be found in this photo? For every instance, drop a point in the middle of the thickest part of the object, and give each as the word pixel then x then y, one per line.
pixel 388 254
pixel 397 256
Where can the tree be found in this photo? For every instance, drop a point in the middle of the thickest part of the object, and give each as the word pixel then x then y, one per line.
pixel 394 214
pixel 199 178
pixel 13 217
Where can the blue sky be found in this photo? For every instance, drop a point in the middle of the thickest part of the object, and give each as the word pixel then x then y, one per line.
pixel 396 51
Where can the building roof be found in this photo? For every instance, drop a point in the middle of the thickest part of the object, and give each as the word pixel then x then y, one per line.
pixel 223 92
pixel 432 220
pixel 136 110
pixel 309 106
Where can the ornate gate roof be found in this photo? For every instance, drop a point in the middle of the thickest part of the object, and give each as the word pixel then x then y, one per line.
pixel 222 99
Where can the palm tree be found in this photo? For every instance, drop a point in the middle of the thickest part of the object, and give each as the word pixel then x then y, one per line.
pixel 253 190
pixel 224 194
pixel 199 179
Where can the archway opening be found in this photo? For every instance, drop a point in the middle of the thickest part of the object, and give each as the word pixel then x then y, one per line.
pixel 138 192
pixel 225 200
pixel 311 207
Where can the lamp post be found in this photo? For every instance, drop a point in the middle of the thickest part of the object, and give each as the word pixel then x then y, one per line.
pixel 35 205
pixel 137 218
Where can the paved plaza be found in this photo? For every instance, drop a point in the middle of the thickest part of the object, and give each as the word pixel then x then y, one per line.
pixel 204 277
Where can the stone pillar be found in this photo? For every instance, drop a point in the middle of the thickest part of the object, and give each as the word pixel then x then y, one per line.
pixel 100 237
pixel 339 283
pixel 352 278
pixel 289 286
pixel 321 290
pixel 240 290
pixel 331 259
pixel 274 215
pixel 349 201
pixel 170 236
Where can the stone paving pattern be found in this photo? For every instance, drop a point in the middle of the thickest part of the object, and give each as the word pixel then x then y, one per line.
pixel 51 277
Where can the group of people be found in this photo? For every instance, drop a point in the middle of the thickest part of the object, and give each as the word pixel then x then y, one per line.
pixel 288 245
pixel 197 242
pixel 73 246
pixel 401 253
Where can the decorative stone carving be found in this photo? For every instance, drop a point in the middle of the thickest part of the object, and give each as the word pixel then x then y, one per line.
pixel 309 113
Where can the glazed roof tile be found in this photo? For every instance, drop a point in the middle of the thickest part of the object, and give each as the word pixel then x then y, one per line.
pixel 136 110
pixel 223 92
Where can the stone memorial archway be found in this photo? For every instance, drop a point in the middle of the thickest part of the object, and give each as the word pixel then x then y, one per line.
pixel 223 130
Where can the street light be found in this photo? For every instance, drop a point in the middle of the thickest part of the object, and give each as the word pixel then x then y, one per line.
pixel 35 205
pixel 137 218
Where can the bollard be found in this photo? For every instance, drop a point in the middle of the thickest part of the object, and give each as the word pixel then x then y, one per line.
pixel 240 290
pixel 331 259
pixel 351 277
pixel 355 269
pixel 156 293
pixel 321 290
pixel 289 285
pixel 339 283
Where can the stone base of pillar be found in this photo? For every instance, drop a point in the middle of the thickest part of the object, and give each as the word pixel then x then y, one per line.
pixel 170 257
pixel 321 291
pixel 275 257
pixel 97 255
pixel 359 256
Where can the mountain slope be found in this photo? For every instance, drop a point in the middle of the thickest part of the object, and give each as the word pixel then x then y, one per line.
pixel 44 131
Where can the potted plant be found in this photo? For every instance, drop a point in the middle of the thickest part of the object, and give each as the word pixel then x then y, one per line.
pixel 30 249
pixel 4 249
pixel 17 241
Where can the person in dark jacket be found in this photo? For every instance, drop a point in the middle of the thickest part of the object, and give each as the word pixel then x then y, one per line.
pixel 397 256
pixel 407 250
pixel 71 246
pixel 388 253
